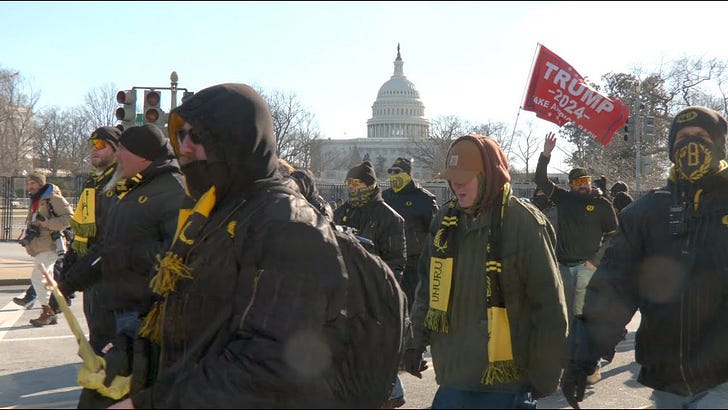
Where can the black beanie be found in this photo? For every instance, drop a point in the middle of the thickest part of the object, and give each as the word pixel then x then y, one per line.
pixel 365 172
pixel 146 141
pixel 705 118
pixel 108 134
pixel 404 164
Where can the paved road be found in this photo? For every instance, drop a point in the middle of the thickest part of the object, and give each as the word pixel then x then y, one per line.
pixel 38 366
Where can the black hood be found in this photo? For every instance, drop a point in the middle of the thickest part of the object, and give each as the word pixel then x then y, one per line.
pixel 235 126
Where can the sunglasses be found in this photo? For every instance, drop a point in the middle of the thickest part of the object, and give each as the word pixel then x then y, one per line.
pixel 352 181
pixel 97 144
pixel 582 180
pixel 394 171
pixel 184 133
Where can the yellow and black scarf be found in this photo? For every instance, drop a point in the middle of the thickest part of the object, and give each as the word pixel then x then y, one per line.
pixel 501 366
pixel 83 221
pixel 172 267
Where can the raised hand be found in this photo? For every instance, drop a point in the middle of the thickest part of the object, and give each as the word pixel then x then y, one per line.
pixel 549 144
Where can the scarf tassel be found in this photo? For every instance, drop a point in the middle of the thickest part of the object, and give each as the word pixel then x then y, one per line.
pixel 170 269
pixel 87 230
pixel 152 326
pixel 500 372
pixel 79 245
pixel 436 320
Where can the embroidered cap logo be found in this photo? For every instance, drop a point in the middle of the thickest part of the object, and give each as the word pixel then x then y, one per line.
pixel 686 116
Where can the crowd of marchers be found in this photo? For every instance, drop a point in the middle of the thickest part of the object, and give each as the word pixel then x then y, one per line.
pixel 194 255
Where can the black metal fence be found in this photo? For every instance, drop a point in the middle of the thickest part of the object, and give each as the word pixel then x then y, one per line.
pixel 14 200
pixel 335 192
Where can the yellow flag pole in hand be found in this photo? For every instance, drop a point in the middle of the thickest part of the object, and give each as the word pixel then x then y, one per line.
pixel 92 372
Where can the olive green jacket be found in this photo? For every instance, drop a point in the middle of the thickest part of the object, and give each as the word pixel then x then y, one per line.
pixel 534 299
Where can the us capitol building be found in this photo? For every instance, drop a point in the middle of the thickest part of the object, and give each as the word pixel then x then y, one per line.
pixel 397 124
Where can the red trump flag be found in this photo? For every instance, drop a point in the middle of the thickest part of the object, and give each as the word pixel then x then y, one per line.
pixel 558 93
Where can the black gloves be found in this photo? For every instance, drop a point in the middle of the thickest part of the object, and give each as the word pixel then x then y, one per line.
pixel 573 381
pixel 118 358
pixel 142 363
pixel 66 289
pixel 414 363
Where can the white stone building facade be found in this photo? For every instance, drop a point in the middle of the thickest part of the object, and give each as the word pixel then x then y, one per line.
pixel 398 122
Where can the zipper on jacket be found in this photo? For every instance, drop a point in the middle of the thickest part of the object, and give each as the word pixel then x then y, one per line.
pixel 686 250
pixel 256 280
pixel 682 339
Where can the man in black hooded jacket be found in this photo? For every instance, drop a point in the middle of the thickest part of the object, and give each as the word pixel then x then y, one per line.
pixel 252 289
pixel 668 260
pixel 374 220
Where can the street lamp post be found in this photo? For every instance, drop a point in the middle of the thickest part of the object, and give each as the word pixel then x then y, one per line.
pixel 174 79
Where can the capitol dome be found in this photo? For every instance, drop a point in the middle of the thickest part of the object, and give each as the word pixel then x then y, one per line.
pixel 398 111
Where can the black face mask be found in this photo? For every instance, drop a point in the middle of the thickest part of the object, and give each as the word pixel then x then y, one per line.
pixel 540 201
pixel 694 158
pixel 197 178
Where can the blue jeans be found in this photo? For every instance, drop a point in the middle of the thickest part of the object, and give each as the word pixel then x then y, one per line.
pixel 450 398
pixel 576 279
pixel 398 389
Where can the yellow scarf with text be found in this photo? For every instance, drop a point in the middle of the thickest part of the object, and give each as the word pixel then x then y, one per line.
pixel 501 365
pixel 83 220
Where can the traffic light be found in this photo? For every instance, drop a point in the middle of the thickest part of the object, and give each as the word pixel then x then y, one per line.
pixel 127 112
pixel 153 113
pixel 629 128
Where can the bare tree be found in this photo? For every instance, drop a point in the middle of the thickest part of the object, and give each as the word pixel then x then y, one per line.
pixel 499 131
pixel 101 105
pixel 17 130
pixel 294 126
pixel 431 152
pixel 61 134
pixel 527 147
pixel 80 127
pixel 304 134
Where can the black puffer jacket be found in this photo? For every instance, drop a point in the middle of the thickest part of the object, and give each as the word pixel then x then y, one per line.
pixel 417 206
pixel 138 226
pixel 679 284
pixel 255 325
pixel 382 225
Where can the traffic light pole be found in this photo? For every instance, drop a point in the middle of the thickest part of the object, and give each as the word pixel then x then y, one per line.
pixel 637 142
pixel 152 113
pixel 173 78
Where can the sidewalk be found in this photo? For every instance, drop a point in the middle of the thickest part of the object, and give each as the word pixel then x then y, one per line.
pixel 15 264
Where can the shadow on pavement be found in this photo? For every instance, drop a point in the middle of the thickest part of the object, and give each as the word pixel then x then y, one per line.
pixel 45 388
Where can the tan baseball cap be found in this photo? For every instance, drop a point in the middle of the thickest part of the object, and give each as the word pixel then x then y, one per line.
pixel 464 161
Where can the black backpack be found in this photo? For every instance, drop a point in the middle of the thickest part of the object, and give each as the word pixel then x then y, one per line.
pixel 372 339
pixel 376 326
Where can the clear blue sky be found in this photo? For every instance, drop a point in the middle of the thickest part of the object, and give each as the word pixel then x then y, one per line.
pixel 469 59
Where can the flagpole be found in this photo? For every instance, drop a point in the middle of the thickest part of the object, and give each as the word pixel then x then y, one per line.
pixel 525 89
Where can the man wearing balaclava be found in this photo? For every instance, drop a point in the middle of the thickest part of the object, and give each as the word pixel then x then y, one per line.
pixel 372 219
pixel 383 229
pixel 668 260
pixel 252 291
pixel 417 206
pixel 490 303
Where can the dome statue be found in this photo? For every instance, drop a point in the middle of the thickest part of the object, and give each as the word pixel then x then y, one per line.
pixel 398 111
